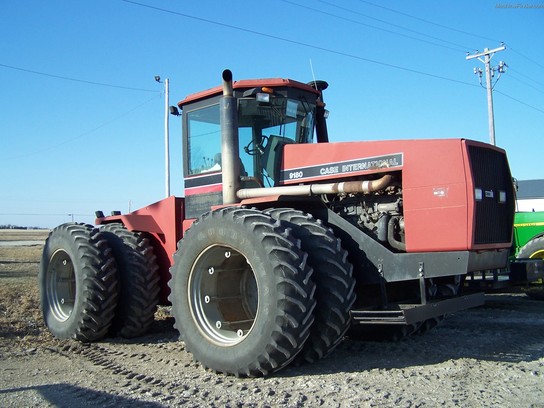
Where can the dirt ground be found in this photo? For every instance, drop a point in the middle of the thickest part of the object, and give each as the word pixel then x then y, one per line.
pixel 492 356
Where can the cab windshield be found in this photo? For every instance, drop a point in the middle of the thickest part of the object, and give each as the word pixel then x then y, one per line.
pixel 264 128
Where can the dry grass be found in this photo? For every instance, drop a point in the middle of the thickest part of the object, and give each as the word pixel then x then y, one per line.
pixel 27 254
pixel 23 235
pixel 21 323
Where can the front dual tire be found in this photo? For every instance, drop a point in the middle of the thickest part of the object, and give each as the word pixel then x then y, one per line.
pixel 241 292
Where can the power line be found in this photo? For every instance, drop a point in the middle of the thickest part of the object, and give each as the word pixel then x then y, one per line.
pixel 287 40
pixel 422 20
pixel 416 18
pixel 30 71
pixel 462 47
pixel 331 51
pixel 51 147
pixel 521 102
pixel 526 57
pixel 525 83
pixel 371 26
pixel 429 22
pixel 525 76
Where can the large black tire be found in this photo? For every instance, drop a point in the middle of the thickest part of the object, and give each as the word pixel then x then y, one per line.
pixel 138 280
pixel 241 292
pixel 333 276
pixel 534 249
pixel 78 283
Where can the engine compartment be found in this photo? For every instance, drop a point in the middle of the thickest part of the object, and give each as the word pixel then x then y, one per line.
pixel 378 214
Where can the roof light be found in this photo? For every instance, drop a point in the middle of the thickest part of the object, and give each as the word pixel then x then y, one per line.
pixel 263 97
pixel 267 90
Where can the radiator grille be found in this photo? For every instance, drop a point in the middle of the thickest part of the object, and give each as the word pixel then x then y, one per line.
pixel 491 174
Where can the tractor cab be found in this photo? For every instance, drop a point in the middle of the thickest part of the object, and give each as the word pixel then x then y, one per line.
pixel 271 113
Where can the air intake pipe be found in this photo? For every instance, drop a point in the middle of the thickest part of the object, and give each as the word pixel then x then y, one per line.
pixel 365 187
pixel 230 163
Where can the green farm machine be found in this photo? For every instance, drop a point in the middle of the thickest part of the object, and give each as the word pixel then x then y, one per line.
pixel 526 261
pixel 529 235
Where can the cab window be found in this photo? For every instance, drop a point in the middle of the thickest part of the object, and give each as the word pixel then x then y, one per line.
pixel 204 140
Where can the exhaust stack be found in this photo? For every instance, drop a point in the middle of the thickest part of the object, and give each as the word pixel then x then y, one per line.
pixel 230 162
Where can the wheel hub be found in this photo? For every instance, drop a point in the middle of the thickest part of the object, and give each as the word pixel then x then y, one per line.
pixel 61 286
pixel 223 295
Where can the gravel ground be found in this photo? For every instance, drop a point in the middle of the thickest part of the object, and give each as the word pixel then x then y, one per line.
pixel 485 357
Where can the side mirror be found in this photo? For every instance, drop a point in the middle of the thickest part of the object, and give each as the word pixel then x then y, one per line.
pixel 174 111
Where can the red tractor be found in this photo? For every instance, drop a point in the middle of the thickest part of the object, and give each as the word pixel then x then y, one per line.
pixel 283 244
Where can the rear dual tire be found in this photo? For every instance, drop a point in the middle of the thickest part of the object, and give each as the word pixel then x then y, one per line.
pixel 138 280
pixel 78 283
pixel 95 282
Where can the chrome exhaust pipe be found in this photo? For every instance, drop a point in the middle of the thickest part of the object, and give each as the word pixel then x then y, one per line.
pixel 230 162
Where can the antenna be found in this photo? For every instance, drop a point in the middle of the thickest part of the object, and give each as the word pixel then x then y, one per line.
pixel 313 75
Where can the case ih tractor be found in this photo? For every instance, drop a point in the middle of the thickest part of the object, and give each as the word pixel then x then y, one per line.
pixel 284 244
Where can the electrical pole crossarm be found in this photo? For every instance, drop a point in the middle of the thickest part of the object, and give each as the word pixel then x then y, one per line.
pixel 486 52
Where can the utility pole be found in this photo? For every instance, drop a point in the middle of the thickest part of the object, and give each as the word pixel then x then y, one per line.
pixel 166 135
pixel 489 73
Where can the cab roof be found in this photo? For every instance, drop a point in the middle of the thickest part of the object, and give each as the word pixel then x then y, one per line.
pixel 247 84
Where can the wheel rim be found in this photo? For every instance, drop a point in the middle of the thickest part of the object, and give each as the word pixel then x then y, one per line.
pixel 61 285
pixel 537 254
pixel 223 295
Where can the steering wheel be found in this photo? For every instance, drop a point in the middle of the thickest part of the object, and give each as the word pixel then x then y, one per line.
pixel 257 147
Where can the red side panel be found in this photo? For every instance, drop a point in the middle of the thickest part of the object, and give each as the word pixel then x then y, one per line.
pixel 163 222
pixel 438 192
pixel 436 205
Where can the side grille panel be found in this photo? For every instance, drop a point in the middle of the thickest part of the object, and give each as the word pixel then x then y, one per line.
pixel 491 175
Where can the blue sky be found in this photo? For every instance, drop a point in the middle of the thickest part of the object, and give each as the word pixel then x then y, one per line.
pixel 82 119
